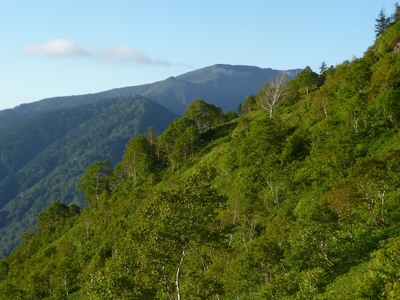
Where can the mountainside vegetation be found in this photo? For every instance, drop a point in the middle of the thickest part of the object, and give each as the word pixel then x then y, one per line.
pixel 295 198
pixel 45 145
pixel 42 158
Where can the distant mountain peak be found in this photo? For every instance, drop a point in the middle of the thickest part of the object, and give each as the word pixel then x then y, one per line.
pixel 218 70
pixel 223 85
pixel 230 70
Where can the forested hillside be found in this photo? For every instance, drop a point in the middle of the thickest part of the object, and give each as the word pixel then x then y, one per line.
pixel 45 145
pixel 42 158
pixel 297 198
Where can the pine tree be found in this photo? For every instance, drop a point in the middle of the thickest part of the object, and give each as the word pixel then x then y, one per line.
pixel 396 14
pixel 382 23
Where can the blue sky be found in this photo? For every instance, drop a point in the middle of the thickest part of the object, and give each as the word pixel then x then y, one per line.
pixel 58 48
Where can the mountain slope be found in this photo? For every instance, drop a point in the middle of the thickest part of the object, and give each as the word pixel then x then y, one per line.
pixel 41 141
pixel 223 85
pixel 43 158
pixel 303 204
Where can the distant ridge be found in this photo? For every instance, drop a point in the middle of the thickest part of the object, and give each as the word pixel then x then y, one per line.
pixel 223 85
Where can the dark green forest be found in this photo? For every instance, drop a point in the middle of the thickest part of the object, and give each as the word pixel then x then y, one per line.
pixel 295 197
pixel 42 158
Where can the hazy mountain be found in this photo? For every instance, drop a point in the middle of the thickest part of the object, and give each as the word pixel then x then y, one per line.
pixel 223 85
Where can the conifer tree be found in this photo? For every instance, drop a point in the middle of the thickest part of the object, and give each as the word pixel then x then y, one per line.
pixel 382 23
pixel 396 14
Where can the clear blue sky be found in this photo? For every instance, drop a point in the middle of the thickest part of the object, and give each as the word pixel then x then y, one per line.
pixel 58 48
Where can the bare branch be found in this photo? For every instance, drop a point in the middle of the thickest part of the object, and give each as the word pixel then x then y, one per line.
pixel 274 92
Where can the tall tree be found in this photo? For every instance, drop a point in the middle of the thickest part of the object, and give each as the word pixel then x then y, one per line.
pixel 307 78
pixel 182 229
pixel 322 74
pixel 206 115
pixel 174 141
pixel 396 14
pixel 151 134
pixel 137 161
pixel 249 104
pixel 274 92
pixel 382 23
pixel 54 215
pixel 97 179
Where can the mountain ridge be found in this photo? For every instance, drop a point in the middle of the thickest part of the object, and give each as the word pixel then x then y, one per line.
pixel 181 89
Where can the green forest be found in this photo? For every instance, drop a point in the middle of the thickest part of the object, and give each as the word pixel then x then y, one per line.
pixel 42 158
pixel 295 196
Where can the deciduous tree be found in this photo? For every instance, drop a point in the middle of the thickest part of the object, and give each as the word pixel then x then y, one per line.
pixel 181 228
pixel 97 179
pixel 205 115
pixel 137 161
pixel 307 79
pixel 273 93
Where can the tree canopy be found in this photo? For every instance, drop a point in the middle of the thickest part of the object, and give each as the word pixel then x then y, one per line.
pixel 205 115
pixel 301 205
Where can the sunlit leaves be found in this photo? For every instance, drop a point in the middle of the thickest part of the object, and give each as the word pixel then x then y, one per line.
pixel 97 179
pixel 205 115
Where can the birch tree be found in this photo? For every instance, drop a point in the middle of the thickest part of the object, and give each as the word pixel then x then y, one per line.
pixel 180 233
pixel 274 92
pixel 137 160
pixel 97 179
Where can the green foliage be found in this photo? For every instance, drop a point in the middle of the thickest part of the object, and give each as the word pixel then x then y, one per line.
pixel 98 179
pixel 178 141
pixel 382 23
pixel 307 79
pixel 205 115
pixel 249 104
pixel 301 205
pixel 43 158
pixel 229 116
pixel 180 232
pixel 138 161
pixel 55 215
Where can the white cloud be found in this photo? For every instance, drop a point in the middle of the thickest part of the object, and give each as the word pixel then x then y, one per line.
pixel 65 47
pixel 125 53
pixel 57 47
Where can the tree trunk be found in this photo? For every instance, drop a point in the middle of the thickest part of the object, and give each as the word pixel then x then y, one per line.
pixel 177 283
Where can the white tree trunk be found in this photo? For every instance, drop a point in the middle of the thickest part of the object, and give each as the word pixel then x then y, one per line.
pixel 178 288
pixel 274 93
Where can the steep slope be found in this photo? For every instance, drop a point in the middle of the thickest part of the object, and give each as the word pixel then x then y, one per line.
pixel 36 147
pixel 222 85
pixel 300 205
pixel 43 158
